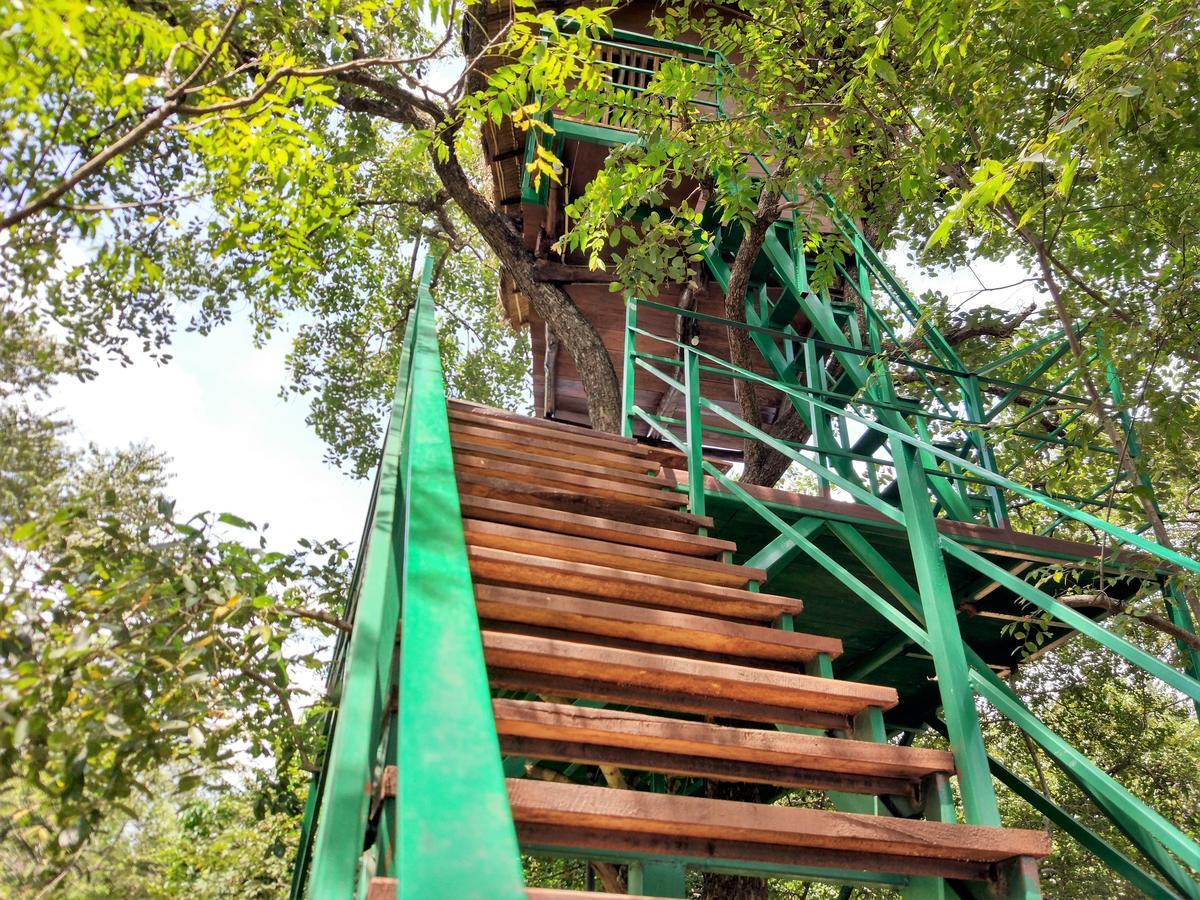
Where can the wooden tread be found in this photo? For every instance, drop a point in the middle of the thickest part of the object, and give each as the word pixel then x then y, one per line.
pixel 563 576
pixel 637 627
pixel 630 740
pixel 473 481
pixel 579 818
pixel 614 458
pixel 584 484
pixel 557 894
pixel 552 459
pixel 611 530
pixel 605 553
pixel 658 681
pixel 385 889
pixel 505 421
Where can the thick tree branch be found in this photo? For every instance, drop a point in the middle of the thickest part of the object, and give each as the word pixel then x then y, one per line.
pixel 1157 622
pixel 549 301
pixel 741 351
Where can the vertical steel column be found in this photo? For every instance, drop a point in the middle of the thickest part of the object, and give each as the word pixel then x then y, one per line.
pixel 973 403
pixel 945 640
pixel 1181 617
pixel 695 432
pixel 657 878
pixel 630 368
pixel 938 807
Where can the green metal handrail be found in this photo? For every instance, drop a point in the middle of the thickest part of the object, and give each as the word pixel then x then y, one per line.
pixel 452 836
pixel 1152 834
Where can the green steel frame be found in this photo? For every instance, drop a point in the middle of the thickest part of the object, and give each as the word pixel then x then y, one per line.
pixel 421 703
pixel 426 709
pixel 842 384
pixel 925 615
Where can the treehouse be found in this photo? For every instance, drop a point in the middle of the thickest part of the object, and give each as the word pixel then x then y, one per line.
pixel 578 645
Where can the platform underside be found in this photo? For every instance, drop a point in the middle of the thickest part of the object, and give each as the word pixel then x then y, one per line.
pixel 873 650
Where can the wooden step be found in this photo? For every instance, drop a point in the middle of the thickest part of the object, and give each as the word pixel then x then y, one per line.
pixel 612 530
pixel 562 576
pixel 509 440
pixel 543 428
pixel 472 481
pixel 556 894
pixel 603 553
pixel 581 819
pixel 659 681
pixel 386 889
pixel 492 413
pixel 630 740
pixel 550 459
pixel 640 628
pixel 583 484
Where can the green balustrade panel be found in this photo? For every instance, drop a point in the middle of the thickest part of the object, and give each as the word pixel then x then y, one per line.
pixel 454 834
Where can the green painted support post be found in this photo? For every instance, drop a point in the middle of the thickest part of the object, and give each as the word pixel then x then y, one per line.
pixel 820 666
pixel 658 878
pixel 1181 617
pixel 630 371
pixel 695 433
pixel 949 660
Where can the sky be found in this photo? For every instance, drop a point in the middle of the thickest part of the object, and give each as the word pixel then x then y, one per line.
pixel 237 446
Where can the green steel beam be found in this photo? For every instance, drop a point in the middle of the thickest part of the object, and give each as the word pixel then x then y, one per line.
pixel 658 878
pixel 1072 617
pixel 1181 617
pixel 1122 535
pixel 939 807
pixel 910 597
pixel 694 433
pixel 1145 828
pixel 776 555
pixel 945 641
pixel 752 868
pixel 1084 836
pixel 629 372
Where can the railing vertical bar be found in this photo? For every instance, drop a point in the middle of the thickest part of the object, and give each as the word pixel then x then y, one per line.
pixel 629 373
pixel 695 433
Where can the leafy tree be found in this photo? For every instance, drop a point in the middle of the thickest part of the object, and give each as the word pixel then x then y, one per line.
pixel 172 164
pixel 227 840
pixel 137 649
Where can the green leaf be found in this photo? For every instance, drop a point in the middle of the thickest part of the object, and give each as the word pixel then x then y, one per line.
pixel 884 70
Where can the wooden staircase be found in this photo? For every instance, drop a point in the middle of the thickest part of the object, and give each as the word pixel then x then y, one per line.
pixel 619 635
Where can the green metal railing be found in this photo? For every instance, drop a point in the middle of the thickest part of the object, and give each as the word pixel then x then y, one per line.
pixel 924 613
pixel 420 703
pixel 955 397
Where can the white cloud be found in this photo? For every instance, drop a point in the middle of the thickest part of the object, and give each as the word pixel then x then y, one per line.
pixel 236 446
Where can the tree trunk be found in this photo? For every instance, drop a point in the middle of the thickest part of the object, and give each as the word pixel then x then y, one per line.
pixel 548 300
pixel 733 887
